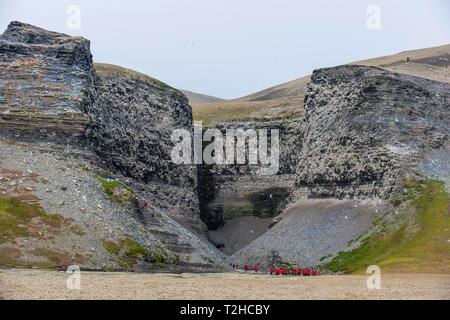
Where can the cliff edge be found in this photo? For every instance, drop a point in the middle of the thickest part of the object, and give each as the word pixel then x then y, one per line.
pixel 85 171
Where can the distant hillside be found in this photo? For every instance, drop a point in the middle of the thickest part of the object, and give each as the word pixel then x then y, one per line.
pixel 292 88
pixel 286 100
pixel 196 98
pixel 430 63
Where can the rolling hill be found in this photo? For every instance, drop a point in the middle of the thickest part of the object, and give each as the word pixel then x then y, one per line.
pixel 286 100
pixel 197 98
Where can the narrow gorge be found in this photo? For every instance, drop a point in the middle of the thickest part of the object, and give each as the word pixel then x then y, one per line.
pixel 86 174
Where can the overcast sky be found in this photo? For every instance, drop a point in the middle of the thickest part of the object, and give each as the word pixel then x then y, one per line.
pixel 230 48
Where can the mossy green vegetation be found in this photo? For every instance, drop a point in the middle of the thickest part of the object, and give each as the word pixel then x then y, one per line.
pixel 116 191
pixel 263 204
pixel 55 259
pixel 18 219
pixel 45 258
pixel 208 259
pixel 396 202
pixel 325 257
pixel 16 216
pixel 420 245
pixel 238 209
pixel 129 251
pixel 9 257
pixel 288 125
pixel 77 230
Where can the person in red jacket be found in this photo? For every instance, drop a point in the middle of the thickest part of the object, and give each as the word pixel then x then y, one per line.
pixel 277 271
pixel 246 267
pixel 314 272
pixel 306 272
pixel 255 268
pixel 299 272
pixel 271 271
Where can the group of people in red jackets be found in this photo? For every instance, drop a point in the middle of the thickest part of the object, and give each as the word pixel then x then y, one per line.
pixel 280 271
pixel 247 267
pixel 293 271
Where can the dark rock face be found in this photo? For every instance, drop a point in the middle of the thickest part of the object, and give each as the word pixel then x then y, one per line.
pixel 238 190
pixel 93 147
pixel 46 84
pixel 50 92
pixel 134 117
pixel 365 128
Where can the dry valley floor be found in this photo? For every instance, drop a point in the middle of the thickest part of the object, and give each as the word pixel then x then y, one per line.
pixel 36 284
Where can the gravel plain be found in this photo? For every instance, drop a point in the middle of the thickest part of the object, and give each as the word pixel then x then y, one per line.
pixel 38 284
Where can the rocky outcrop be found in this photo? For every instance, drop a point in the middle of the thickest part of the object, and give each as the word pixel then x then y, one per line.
pixel 46 85
pixel 50 92
pixel 365 128
pixel 85 171
pixel 237 190
pixel 237 202
pixel 133 119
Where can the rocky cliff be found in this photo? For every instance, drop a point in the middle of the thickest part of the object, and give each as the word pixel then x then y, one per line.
pixel 46 84
pixel 85 170
pixel 133 119
pixel 365 128
pixel 365 131
pixel 227 191
pixel 237 202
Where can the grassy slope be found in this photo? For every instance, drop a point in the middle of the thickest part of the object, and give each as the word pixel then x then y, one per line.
pixel 213 113
pixel 105 68
pixel 19 220
pixel 16 216
pixel 196 98
pixel 420 246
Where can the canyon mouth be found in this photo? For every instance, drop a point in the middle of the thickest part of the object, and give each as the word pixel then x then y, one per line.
pixel 86 176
